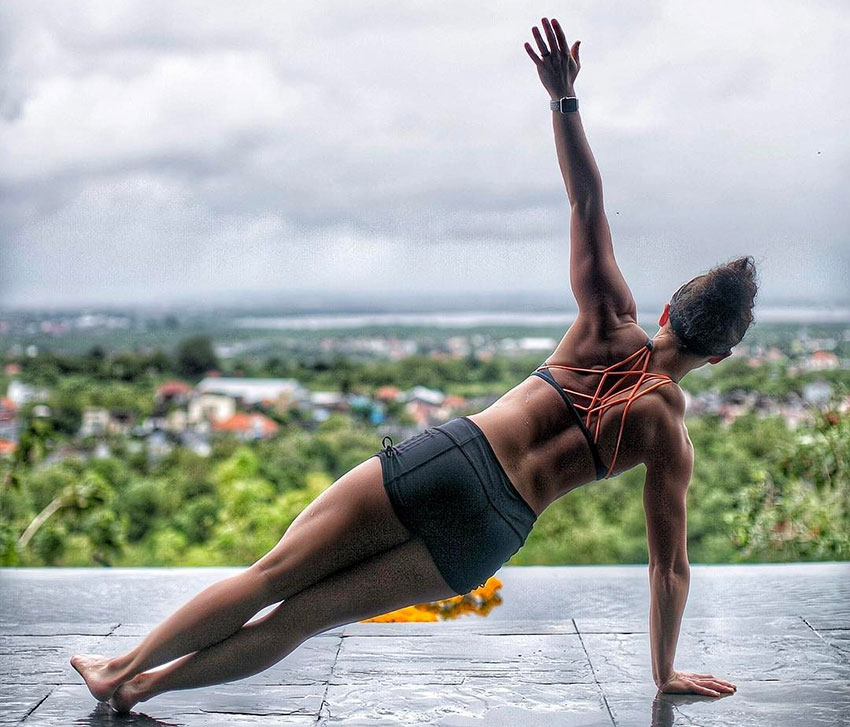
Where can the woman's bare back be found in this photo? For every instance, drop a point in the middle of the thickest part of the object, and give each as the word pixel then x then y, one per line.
pixel 537 438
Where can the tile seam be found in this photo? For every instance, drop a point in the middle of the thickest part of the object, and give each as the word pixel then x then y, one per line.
pixel 324 704
pixel 40 702
pixel 595 678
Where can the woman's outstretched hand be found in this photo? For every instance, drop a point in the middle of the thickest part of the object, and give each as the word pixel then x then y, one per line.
pixel 682 682
pixel 558 64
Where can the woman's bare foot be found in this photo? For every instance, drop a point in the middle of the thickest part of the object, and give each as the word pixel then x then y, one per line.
pixel 101 680
pixel 129 694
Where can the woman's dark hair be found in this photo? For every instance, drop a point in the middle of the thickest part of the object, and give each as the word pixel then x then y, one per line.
pixel 711 313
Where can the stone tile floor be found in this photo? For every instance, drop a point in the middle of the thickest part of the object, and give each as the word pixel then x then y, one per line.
pixel 569 646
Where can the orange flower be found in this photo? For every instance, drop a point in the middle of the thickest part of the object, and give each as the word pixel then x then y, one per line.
pixel 480 601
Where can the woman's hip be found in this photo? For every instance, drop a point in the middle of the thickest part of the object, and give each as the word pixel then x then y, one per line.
pixel 446 484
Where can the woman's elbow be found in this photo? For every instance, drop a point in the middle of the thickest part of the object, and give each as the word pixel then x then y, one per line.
pixel 587 206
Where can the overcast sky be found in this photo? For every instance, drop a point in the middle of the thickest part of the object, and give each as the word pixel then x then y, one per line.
pixel 159 150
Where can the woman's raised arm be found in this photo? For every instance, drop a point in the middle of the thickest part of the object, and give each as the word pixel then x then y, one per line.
pixel 596 280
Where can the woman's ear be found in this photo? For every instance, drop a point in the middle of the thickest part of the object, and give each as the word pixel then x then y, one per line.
pixel 720 357
pixel 665 315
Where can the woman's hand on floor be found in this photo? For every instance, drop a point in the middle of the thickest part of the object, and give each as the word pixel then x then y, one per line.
pixel 682 682
pixel 558 64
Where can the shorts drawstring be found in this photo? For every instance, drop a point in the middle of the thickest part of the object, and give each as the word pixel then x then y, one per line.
pixel 389 449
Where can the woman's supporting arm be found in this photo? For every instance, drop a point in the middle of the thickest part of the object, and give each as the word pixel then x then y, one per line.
pixel 668 473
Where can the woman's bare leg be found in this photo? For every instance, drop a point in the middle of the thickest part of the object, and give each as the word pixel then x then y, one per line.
pixel 352 520
pixel 399 577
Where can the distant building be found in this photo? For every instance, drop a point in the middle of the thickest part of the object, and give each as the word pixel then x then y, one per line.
pixel 425 395
pixel 247 426
pixel 323 403
pixel 173 392
pixel 429 407
pixel 328 399
pixel 98 421
pixel 388 393
pixel 458 346
pixel 528 344
pixel 539 343
pixel 197 443
pixel 158 445
pixel 211 407
pixel 822 361
pixel 817 392
pixel 120 421
pixel 41 411
pixel 95 422
pixel 177 420
pixel 454 402
pixel 8 420
pixel 254 391
pixel 20 393
pixel 101 451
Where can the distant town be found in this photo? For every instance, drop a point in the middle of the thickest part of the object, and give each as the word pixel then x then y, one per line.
pixel 191 411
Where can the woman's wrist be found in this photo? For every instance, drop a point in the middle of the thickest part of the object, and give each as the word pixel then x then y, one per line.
pixel 662 680
pixel 569 91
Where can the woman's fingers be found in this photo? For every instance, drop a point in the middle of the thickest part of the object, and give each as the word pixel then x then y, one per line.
pixel 550 36
pixel 544 51
pixel 712 678
pixel 533 55
pixel 699 689
pixel 717 685
pixel 559 34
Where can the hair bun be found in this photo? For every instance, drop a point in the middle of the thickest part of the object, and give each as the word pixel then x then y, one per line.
pixel 712 312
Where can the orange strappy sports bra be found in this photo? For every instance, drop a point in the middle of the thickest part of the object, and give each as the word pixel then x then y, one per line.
pixel 597 403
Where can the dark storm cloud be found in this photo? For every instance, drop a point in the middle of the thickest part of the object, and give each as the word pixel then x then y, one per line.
pixel 163 150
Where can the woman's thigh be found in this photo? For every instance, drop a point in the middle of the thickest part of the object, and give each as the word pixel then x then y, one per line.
pixel 402 576
pixel 350 521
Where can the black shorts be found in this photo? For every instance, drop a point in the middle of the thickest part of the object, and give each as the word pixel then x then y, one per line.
pixel 447 486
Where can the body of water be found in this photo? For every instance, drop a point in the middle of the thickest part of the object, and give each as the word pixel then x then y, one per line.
pixel 471 319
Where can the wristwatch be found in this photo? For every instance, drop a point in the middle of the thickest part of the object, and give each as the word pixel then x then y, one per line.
pixel 565 104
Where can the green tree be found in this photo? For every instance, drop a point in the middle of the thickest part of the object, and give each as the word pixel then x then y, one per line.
pixel 195 356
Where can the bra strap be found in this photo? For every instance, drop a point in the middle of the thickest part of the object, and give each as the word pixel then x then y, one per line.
pixel 601 469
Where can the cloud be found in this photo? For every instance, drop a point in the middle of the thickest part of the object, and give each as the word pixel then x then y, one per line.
pixel 178 149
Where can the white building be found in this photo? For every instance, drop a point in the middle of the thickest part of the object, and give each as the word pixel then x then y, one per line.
pixel 21 393
pixel 817 392
pixel 253 391
pixel 327 399
pixel 211 407
pixel 426 395
pixel 537 343
pixel 325 402
pixel 95 422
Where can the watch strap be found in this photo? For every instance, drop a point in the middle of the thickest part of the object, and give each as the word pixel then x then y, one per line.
pixel 565 105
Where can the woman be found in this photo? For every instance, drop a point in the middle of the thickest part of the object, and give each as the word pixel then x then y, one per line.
pixel 439 513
